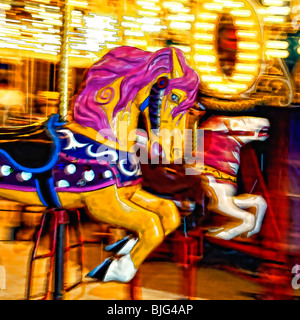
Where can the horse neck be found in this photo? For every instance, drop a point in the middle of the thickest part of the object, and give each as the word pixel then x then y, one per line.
pixel 221 151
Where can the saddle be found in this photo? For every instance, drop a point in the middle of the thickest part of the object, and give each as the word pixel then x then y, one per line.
pixel 32 148
pixel 35 149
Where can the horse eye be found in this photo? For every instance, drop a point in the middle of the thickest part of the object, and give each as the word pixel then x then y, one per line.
pixel 175 97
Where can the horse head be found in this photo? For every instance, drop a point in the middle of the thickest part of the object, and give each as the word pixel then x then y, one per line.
pixel 165 109
pixel 128 82
pixel 243 129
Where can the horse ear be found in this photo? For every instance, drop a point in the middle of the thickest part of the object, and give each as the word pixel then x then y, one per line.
pixel 177 71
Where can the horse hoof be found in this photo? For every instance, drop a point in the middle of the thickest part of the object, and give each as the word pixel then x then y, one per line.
pixel 251 233
pixel 100 271
pixel 120 270
pixel 224 235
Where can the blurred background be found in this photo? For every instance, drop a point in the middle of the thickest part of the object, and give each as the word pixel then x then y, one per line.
pixel 246 54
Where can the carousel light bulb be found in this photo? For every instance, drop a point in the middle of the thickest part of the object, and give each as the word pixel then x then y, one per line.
pixel 107 174
pixel 6 170
pixel 89 175
pixel 63 184
pixel 70 169
pixel 25 176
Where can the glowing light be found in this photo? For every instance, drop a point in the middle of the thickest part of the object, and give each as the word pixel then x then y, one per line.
pixel 247 56
pixel 205 26
pixel 107 174
pixel 5 6
pixel 248 45
pixel 222 88
pixel 204 58
pixel 231 4
pixel 246 67
pixel 83 4
pixel 213 6
pixel 180 25
pixel 207 69
pixel 239 86
pixel 89 175
pixel 273 2
pixel 204 46
pixel 70 169
pixel 211 78
pixel 277 44
pixel 246 34
pixel 242 77
pixel 147 13
pixel 241 13
pixel 175 6
pixel 63 184
pixel 6 170
pixel 26 176
pixel 274 19
pixel 244 23
pixel 208 16
pixel 278 53
pixel 204 36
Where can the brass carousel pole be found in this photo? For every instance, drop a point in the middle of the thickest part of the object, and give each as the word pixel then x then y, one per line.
pixel 64 76
pixel 64 85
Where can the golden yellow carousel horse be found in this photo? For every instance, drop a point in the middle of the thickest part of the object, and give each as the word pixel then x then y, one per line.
pixel 90 162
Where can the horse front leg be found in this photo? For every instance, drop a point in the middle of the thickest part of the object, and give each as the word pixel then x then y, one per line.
pixel 247 201
pixel 222 198
pixel 164 208
pixel 114 206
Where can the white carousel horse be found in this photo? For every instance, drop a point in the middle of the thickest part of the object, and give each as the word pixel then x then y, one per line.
pixel 223 139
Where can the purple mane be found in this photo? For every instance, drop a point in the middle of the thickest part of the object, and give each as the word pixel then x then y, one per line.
pixel 138 68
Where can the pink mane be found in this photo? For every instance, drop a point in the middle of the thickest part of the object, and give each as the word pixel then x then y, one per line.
pixel 138 68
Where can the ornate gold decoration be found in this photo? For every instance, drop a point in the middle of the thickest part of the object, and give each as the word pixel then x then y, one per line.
pixel 228 105
pixel 219 175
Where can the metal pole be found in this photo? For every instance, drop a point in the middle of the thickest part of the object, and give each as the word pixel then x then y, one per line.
pixel 59 263
pixel 64 76
pixel 64 85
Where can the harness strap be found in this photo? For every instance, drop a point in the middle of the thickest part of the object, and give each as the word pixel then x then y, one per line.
pixel 220 175
pixel 46 189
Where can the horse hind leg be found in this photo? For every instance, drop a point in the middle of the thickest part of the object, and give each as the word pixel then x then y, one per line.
pixel 230 209
pixel 222 197
pixel 247 201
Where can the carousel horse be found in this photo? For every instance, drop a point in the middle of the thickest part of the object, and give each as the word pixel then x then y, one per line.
pixel 90 162
pixel 223 139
